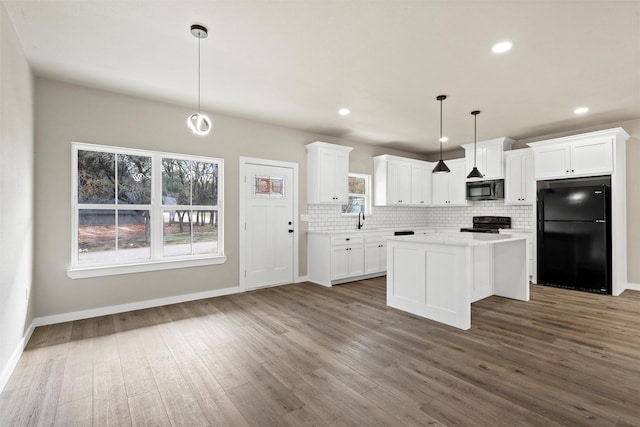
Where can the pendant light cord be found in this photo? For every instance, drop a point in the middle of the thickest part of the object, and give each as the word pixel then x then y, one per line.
pixel 441 129
pixel 199 75
pixel 475 140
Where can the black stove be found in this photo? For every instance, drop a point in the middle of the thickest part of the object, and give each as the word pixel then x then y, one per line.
pixel 488 224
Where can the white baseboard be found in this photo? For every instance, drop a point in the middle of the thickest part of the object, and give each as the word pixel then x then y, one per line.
pixel 301 279
pixel 15 356
pixel 633 286
pixel 121 308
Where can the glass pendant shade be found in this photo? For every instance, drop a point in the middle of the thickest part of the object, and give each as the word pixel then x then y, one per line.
pixel 441 167
pixel 199 124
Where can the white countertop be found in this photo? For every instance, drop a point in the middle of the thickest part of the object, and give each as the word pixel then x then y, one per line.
pixel 459 239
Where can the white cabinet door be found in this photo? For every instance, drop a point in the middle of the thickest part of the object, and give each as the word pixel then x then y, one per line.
pixel 552 162
pixel 449 189
pixel 327 176
pixel 492 162
pixel 341 177
pixel 457 183
pixel 592 157
pixel 519 183
pixel 420 184
pixel 371 258
pixel 440 189
pixel 398 183
pixel 355 260
pixel 328 173
pixel 339 262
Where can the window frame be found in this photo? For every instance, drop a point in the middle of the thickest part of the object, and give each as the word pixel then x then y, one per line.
pixel 157 260
pixel 367 194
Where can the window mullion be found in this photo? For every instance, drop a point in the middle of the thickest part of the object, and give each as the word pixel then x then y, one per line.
pixel 157 214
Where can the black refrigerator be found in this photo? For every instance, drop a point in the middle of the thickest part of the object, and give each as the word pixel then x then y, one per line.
pixel 574 236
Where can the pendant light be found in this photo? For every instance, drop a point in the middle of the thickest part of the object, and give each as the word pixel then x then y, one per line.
pixel 199 123
pixel 475 173
pixel 441 167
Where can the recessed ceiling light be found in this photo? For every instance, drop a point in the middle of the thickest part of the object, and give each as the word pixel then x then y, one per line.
pixel 581 110
pixel 501 47
pixel 344 111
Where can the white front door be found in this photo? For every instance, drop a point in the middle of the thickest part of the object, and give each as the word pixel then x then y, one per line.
pixel 269 227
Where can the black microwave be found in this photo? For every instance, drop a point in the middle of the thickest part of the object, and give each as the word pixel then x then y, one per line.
pixel 485 190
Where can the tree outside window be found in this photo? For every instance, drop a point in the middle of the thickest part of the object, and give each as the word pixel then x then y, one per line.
pixel 359 195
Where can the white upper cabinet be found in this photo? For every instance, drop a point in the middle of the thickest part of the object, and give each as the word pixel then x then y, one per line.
pixel 519 183
pixel 449 189
pixel 421 183
pixel 488 157
pixel 400 181
pixel 573 157
pixel 328 173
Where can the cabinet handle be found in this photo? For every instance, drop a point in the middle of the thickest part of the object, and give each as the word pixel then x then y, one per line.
pixel 347 239
pixel 421 201
pixel 399 201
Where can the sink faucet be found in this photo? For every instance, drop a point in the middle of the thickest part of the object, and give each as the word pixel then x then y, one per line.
pixel 360 224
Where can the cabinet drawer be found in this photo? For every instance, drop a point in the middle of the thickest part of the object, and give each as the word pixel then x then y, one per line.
pixel 344 239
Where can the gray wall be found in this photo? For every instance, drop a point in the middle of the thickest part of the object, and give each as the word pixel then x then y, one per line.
pixel 16 194
pixel 67 113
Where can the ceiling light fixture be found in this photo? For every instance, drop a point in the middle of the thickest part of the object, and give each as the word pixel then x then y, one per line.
pixel 475 173
pixel 344 111
pixel 199 123
pixel 441 167
pixel 581 110
pixel 501 47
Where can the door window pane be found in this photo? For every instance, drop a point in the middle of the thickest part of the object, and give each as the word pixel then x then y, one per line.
pixel 96 177
pixel 96 236
pixel 134 235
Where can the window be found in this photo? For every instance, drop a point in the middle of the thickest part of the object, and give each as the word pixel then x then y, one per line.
pixel 136 210
pixel 359 195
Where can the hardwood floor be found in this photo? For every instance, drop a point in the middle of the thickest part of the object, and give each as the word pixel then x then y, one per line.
pixel 303 355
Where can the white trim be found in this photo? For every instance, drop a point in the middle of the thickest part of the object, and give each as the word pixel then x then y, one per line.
pixel 301 279
pixel 633 287
pixel 244 162
pixel 112 270
pixel 121 308
pixel 156 208
pixel 8 369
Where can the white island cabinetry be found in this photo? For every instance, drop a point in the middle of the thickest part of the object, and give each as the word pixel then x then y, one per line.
pixel 439 275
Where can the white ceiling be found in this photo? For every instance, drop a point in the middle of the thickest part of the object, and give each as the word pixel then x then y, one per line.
pixel 295 63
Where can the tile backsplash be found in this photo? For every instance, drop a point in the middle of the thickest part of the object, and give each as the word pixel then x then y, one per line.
pixel 330 218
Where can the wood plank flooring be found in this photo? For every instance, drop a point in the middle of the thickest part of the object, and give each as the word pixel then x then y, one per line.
pixel 304 355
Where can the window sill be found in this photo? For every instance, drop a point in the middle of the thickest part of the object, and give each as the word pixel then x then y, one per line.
pixel 111 270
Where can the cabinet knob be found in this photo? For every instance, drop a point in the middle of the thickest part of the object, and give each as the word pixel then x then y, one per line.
pixel 572 171
pixel 567 170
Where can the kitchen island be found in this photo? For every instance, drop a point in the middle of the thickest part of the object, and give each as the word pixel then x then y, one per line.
pixel 439 275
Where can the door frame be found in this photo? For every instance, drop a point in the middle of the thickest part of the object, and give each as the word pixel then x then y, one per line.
pixel 244 167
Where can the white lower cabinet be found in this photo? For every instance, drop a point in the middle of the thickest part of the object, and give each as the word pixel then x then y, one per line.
pixel 347 261
pixel 375 252
pixel 341 257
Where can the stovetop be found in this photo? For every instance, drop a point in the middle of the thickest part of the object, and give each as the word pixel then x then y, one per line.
pixel 488 224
